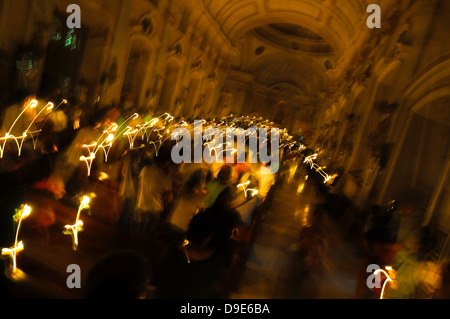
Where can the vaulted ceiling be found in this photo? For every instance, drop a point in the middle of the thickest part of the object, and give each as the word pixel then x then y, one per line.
pixel 336 21
pixel 292 41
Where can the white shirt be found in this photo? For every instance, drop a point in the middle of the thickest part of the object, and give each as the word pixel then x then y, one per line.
pixel 186 209
pixel 153 183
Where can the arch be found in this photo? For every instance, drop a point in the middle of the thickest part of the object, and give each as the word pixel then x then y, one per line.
pixel 339 41
pixel 421 96
pixel 210 89
pixel 302 72
pixel 190 105
pixel 170 85
pixel 433 78
pixel 136 76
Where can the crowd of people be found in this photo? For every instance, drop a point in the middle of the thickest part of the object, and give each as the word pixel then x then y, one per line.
pixel 198 209
pixel 203 212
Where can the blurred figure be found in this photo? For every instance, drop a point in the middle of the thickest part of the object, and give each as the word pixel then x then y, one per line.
pixel 307 269
pixel 59 120
pixel 312 242
pixel 14 124
pixel 154 194
pixel 67 163
pixel 247 204
pixel 247 201
pixel 192 201
pixel 266 180
pixel 216 186
pixel 129 187
pixel 407 266
pixel 178 181
pixel 415 273
pixel 227 223
pixel 189 270
pixel 120 274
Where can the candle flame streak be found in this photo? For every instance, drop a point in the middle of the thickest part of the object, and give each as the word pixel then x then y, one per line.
pixel 53 109
pixel 245 189
pixel 388 278
pixel 185 244
pixel 16 140
pixel 166 127
pixel 32 104
pixel 78 225
pixel 24 212
pixel 131 134
pixel 88 160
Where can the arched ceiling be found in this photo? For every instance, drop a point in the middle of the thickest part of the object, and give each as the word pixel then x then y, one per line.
pixel 437 111
pixel 293 37
pixel 290 41
pixel 335 21
pixel 280 68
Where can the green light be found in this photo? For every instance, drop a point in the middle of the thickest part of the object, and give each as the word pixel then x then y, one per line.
pixel 69 38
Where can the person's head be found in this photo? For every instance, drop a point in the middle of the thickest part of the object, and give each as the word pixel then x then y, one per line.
pixel 196 182
pixel 224 174
pixel 121 274
pixel 163 158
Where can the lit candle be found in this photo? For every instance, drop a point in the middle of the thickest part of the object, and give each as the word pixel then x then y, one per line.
pixel 390 272
pixel 78 226
pixel 22 213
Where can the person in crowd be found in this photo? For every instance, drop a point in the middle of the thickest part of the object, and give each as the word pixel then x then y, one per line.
pixel 67 163
pixel 216 186
pixel 178 180
pixel 266 180
pixel 408 270
pixel 154 194
pixel 13 122
pixel 60 122
pixel 247 199
pixel 227 222
pixel 189 270
pixel 121 275
pixel 192 201
pixel 308 262
pixel 128 187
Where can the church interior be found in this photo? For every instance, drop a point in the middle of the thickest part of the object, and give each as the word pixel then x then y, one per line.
pixel 358 92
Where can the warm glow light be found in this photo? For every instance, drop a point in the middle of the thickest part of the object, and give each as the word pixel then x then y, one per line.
pixel 12 252
pixel 389 273
pixel 32 104
pixel 103 176
pixel 88 160
pixel 300 188
pixel 185 243
pixel 253 191
pixel 78 226
pixel 22 213
pixel 165 127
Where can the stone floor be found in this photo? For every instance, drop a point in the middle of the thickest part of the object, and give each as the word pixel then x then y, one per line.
pixel 273 270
